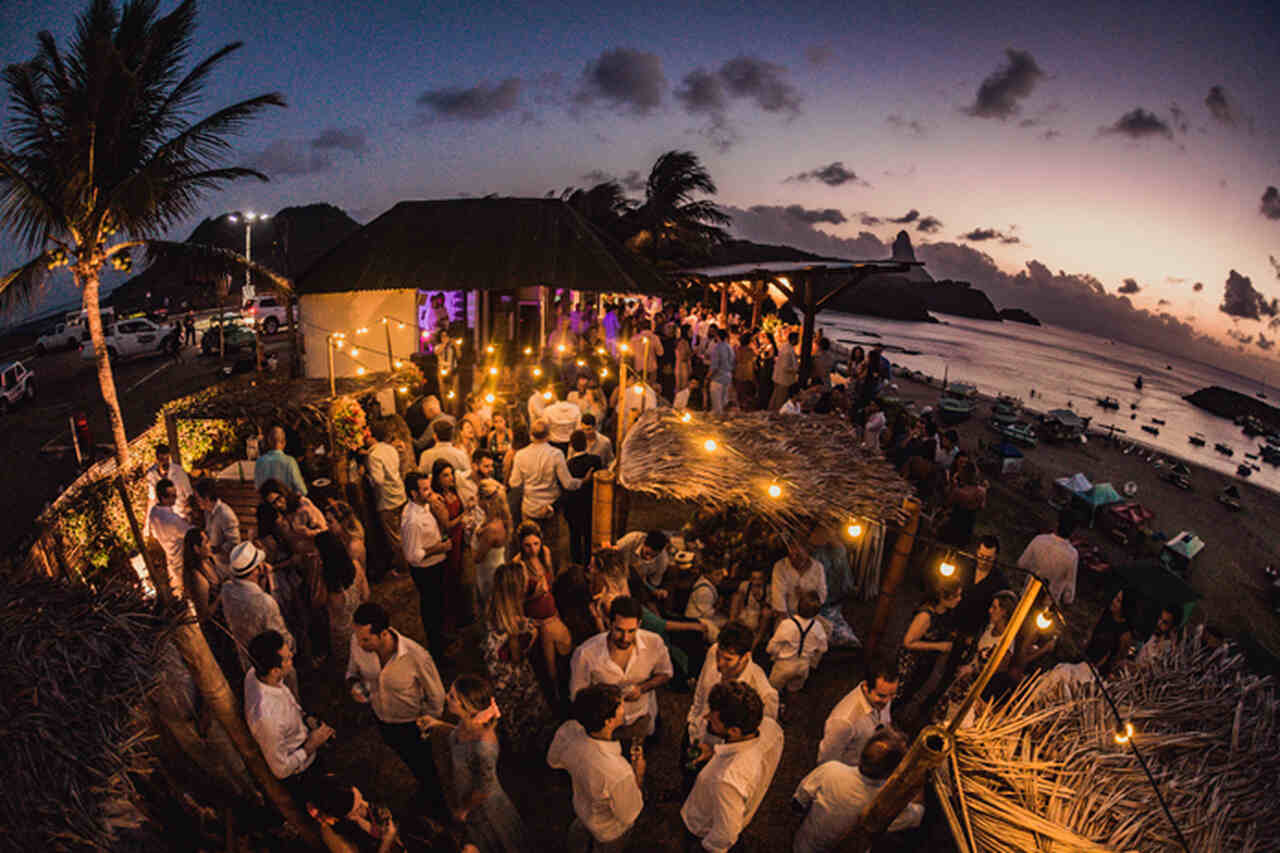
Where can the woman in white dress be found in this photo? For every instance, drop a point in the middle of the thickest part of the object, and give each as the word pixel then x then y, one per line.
pixel 489 542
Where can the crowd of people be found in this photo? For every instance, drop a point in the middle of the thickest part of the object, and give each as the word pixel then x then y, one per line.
pixel 577 641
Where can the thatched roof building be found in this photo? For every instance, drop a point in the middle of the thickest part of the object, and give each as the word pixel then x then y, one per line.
pixel 792 471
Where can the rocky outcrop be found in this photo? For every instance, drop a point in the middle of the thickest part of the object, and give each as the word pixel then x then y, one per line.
pixel 882 296
pixel 957 297
pixel 1017 315
pixel 902 250
pixel 1226 403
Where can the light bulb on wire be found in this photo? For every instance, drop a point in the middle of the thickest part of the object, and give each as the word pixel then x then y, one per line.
pixel 604 373
pixel 493 371
pixel 489 349
pixel 854 530
pixel 947 569
pixel 489 398
pixel 1044 621
pixel 537 372
pixel 528 350
pixel 775 491
pixel 685 418
pixel 1124 733
pixel 710 445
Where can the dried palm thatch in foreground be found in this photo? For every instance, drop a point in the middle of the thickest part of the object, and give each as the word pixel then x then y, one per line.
pixel 815 461
pixel 1043 771
pixel 75 666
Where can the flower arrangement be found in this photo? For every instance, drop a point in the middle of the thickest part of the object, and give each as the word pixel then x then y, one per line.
pixel 350 427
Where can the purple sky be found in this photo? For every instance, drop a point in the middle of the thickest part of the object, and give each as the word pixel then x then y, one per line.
pixel 1109 140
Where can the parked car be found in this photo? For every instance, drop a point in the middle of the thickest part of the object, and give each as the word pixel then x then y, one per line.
pixel 269 312
pixel 59 337
pixel 136 336
pixel 239 337
pixel 16 384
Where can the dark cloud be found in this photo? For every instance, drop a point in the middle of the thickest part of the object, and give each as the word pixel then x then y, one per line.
pixel 829 215
pixel 623 78
pixel 597 176
pixel 1240 299
pixel 289 157
pixel 833 175
pixel 632 181
pixel 980 235
pixel 703 91
pixel 1050 135
pixel 761 81
pixel 343 139
pixel 999 94
pixel 1236 334
pixel 910 216
pixel 474 104
pixel 929 224
pixel 782 225
pixel 1220 106
pixel 1180 121
pixel 1198 286
pixel 1270 204
pixel 819 54
pixel 870 221
pixel 710 93
pixel 1163 302
pixel 1139 124
pixel 1264 343
pixel 913 127
pixel 1130 286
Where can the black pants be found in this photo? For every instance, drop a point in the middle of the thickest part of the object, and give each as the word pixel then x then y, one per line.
pixel 406 741
pixel 430 583
pixel 579 521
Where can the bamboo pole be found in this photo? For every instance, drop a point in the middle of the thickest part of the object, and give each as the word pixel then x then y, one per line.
pixel 806 336
pixel 136 529
pixel 602 509
pixel 171 432
pixel 931 748
pixel 893 576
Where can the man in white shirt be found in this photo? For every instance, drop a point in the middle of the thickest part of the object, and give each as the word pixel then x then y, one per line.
pixel 273 714
pixel 729 659
pixel 597 442
pixel 588 399
pixel 482 468
pixel 166 469
pixel 537 402
pixel 635 660
pixel 833 797
pixel 730 787
pixel 797 645
pixel 720 370
pixel 646 557
pixel 864 711
pixel 445 449
pixel 786 372
pixel 1053 558
pixel 220 522
pixel 398 679
pixel 607 795
pixel 542 471
pixel 646 348
pixel 169 528
pixel 424 552
pixel 247 607
pixel 562 419
pixel 798 570
pixel 388 489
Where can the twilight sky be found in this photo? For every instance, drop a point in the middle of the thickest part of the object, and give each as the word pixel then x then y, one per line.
pixel 1119 141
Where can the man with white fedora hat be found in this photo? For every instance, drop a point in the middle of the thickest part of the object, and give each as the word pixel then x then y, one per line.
pixel 248 608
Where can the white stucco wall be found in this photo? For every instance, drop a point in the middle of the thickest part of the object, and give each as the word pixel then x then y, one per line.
pixel 322 313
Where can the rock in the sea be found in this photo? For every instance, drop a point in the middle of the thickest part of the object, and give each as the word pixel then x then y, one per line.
pixel 1226 403
pixel 902 250
pixel 1018 315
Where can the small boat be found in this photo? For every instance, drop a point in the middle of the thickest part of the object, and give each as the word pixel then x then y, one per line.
pixel 1197 439
pixel 1270 455
pixel 1244 470
pixel 1253 426
pixel 1018 433
pixel 1137 383
pixel 1133 406
pixel 1179 475
pixel 956 403
pixel 1157 421
pixel 1006 409
pixel 1251 456
pixel 1230 498
pixel 1150 429
pixel 1109 402
pixel 1224 449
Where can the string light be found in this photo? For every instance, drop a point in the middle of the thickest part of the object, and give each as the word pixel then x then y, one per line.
pixel 685 418
pixel 362 330
pixel 624 347
pixel 537 372
pixel 947 569
pixel 426 336
pixel 1124 734
pixel 854 530
pixel 528 350
pixel 710 445
pixel 560 348
pixel 401 326
pixel 1043 620
pixel 489 349
pixel 403 389
pixel 582 362
pixel 489 398
pixel 604 372
pixel 493 371
pixel 546 395
pixel 775 491
pixel 599 350
pixel 359 371
pixel 450 395
pixel 384 321
pixel 444 371
pixel 354 352
pixel 638 388
pixel 399 364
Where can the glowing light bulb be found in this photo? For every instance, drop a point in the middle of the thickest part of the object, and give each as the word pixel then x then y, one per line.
pixel 493 371
pixel 599 350
pixel 384 321
pixel 638 388
pixel 1124 735
pixel 403 389
pixel 1043 621
pixel 339 344
pixel 361 330
pixel 489 349
pixel 560 348
pixel 709 445
pixel 775 491
pixel 947 569
pixel 444 371
pixel 354 352
pixel 537 371
pixel 625 348
pixel 685 418
pixel 450 395
pixel 582 362
pixel 401 326
pixel 359 371
pixel 426 335
pixel 546 395
pixel 854 530
pixel 604 372
pixel 528 350
pixel 399 364
pixel 489 398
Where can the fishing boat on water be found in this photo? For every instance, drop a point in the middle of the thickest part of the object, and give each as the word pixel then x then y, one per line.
pixel 1196 439
pixel 1158 421
pixel 1244 470
pixel 1109 403
pixel 957 402
pixel 1137 383
pixel 1270 455
pixel 1224 449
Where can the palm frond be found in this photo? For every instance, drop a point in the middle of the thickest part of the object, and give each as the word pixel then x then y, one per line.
pixel 207 263
pixel 191 86
pixel 25 208
pixel 21 286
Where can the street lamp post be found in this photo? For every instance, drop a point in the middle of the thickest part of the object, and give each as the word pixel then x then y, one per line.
pixel 249 217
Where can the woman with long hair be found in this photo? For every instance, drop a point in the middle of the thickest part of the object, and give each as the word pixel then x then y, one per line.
pixel 344 524
pixel 998 615
pixel 508 641
pixel 468 437
pixel 347 589
pixel 348 822
pixel 534 558
pixel 199 573
pixel 488 818
pixel 446 505
pixel 927 641
pixel 489 542
pixel 499 437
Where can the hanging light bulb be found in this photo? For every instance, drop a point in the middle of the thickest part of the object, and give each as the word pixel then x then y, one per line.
pixel 1043 620
pixel 638 388
pixel 1124 733
pixel 399 364
pixel 604 372
pixel 537 372
pixel 854 530
pixel 710 445
pixel 546 395
pixel 946 568
pixel 528 350
pixel 599 350
pixel 493 371
pixel 339 344
pixel 384 321
pixel 489 398
pixel 582 362
pixel 354 352
pixel 625 347
pixel 775 491
pixel 685 418
pixel 359 371
pixel 403 389
pixel 444 371
pixel 560 348
pixel 450 395
pixel 489 349
pixel 426 335
pixel 399 325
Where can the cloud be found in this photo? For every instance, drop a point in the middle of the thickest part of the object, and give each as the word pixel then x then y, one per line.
pixel 474 104
pixel 1130 286
pixel 833 175
pixel 819 54
pixel 914 127
pixel 1220 106
pixel 829 215
pixel 703 91
pixel 1240 299
pixel 1198 286
pixel 1180 121
pixel 910 216
pixel 625 79
pixel 794 226
pixel 1236 334
pixel 350 139
pixel 1264 343
pixel 1162 302
pixel 710 93
pixel 1139 124
pixel 1000 92
pixel 290 157
pixel 870 221
pixel 929 224
pixel 633 181
pixel 979 235
pixel 1270 204
pixel 761 81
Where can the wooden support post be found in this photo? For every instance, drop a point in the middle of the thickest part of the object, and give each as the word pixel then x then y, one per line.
pixel 806 337
pixel 333 382
pixel 391 359
pixel 931 748
pixel 159 574
pixel 171 433
pixel 602 509
pixel 892 577
pixel 724 305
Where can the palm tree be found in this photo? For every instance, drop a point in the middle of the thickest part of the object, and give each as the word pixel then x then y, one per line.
pixel 672 223
pixel 105 156
pixel 604 205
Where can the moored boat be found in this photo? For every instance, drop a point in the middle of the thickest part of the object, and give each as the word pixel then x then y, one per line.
pixel 1109 403
pixel 1006 409
pixel 957 402
pixel 1224 449
pixel 1018 433
pixel 1158 421
pixel 1244 470
pixel 1150 429
pixel 1197 439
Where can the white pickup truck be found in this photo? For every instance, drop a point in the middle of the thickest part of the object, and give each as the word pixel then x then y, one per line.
pixel 61 336
pixel 135 337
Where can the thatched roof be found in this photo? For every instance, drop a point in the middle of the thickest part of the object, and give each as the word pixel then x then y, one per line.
pixel 1043 769
pixel 816 460
pixel 77 665
pixel 480 244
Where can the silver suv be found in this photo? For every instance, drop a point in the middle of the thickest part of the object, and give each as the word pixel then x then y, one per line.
pixel 268 312
pixel 16 384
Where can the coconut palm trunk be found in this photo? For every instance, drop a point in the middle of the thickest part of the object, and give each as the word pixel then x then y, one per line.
pixel 86 278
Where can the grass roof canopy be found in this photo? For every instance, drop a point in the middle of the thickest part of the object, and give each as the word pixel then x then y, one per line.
pixel 821 473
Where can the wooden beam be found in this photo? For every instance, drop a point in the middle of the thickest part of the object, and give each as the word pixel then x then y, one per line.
pixel 806 336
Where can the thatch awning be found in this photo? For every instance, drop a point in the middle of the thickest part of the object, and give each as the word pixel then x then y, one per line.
pixel 480 244
pixel 816 461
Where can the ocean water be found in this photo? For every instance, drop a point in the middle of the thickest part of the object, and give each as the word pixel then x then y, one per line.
pixel 1070 369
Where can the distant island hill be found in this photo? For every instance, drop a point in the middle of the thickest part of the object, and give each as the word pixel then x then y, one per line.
pixel 1226 403
pixel 298 236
